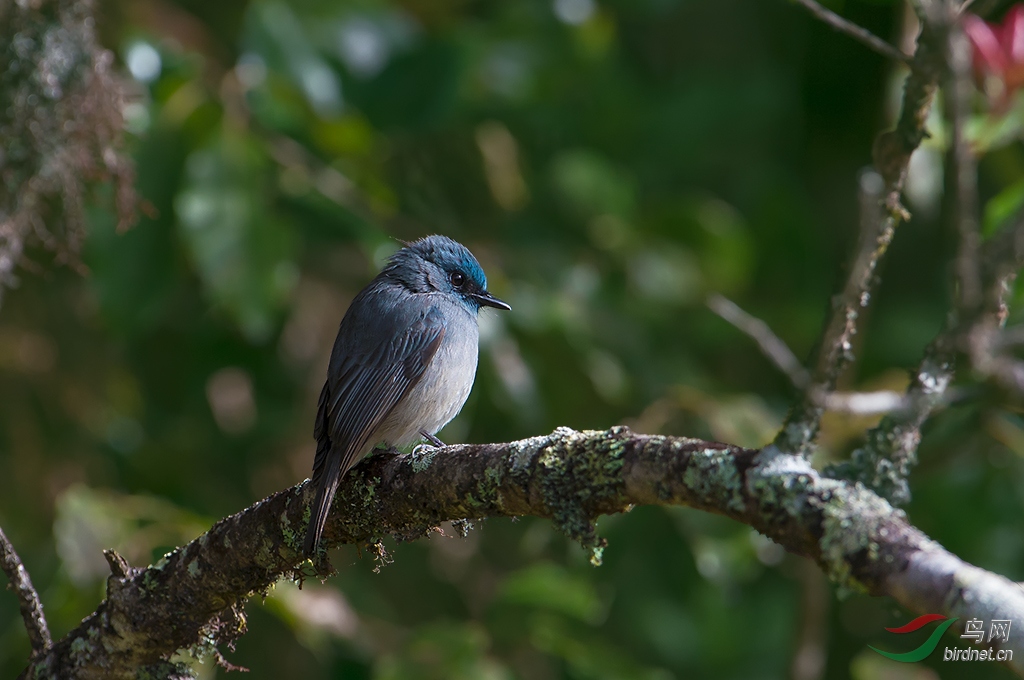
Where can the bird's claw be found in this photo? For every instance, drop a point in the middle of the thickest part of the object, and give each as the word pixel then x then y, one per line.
pixel 434 443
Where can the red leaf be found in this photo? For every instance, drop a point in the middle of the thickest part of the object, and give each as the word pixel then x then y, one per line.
pixel 988 52
pixel 1012 37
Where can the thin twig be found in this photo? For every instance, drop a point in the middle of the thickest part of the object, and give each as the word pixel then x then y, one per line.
pixel 772 346
pixel 985 341
pixel 863 403
pixel 835 350
pixel 891 154
pixel 853 403
pixel 964 169
pixel 28 598
pixel 890 449
pixel 854 31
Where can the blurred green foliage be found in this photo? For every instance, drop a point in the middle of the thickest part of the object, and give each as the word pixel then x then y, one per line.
pixel 610 163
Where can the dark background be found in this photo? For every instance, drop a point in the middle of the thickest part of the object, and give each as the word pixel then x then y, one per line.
pixel 610 164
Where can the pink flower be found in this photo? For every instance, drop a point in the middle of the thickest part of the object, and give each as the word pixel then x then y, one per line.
pixel 999 53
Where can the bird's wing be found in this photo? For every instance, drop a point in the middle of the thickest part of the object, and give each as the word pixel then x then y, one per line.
pixel 323 442
pixel 367 386
pixel 364 383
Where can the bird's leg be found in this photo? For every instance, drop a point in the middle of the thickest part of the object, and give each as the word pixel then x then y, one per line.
pixel 431 438
pixel 434 443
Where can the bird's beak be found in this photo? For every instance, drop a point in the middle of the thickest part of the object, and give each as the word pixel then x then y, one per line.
pixel 485 299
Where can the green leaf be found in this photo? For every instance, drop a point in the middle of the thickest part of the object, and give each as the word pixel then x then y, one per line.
pixel 1002 206
pixel 592 186
pixel 443 651
pixel 241 251
pixel 550 587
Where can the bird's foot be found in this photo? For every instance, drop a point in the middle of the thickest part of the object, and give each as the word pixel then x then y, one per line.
pixel 423 448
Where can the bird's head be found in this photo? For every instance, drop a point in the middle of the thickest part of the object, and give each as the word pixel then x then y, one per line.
pixel 438 263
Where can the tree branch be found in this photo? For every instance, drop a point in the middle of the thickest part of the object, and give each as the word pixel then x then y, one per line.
pixel 771 345
pixel 959 94
pixel 986 344
pixel 892 151
pixel 197 592
pixel 889 453
pixel 28 599
pixel 859 33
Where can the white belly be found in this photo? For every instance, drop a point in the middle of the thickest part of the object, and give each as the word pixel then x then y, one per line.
pixel 441 391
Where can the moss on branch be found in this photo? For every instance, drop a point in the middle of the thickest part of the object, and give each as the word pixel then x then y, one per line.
pixel 195 595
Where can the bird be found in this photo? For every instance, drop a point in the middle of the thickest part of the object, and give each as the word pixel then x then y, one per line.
pixel 403 363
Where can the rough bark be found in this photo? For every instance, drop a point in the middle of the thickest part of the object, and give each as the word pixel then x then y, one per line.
pixel 28 599
pixel 194 596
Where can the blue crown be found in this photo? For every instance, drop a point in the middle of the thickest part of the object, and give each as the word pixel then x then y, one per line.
pixel 449 255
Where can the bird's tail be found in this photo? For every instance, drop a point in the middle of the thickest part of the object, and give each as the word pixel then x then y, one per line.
pixel 325 490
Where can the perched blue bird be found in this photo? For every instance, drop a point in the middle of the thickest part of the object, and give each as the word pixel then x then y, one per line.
pixel 403 362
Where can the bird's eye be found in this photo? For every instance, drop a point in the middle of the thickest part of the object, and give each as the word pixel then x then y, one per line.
pixel 457 279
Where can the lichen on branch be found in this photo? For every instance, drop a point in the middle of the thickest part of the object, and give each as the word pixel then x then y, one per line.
pixel 196 594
